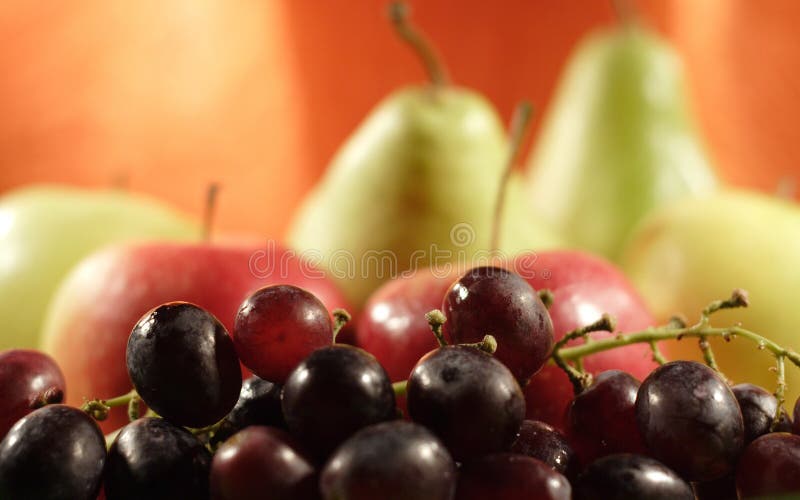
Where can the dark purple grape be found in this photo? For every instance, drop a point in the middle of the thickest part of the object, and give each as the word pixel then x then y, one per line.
pixel 796 417
pixel 333 393
pixel 690 420
pixel 55 452
pixel 154 459
pixel 262 463
pixel 491 300
pixel 467 398
pixel 601 420
pixel 758 409
pixel 183 364
pixel 770 467
pixel 277 327
pixel 723 488
pixel 785 423
pixel 626 476
pixel 509 476
pixel 259 404
pixel 392 461
pixel 28 380
pixel 541 441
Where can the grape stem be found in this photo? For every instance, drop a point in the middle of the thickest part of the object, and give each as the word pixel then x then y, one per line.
pixel 400 388
pixel 676 329
pixel 99 408
pixel 436 319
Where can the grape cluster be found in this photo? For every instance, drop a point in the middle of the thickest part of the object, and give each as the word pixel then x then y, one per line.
pixel 327 424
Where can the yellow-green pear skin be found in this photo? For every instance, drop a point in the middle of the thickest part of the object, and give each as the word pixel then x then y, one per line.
pixel 46 229
pixel 617 141
pixel 692 252
pixel 417 180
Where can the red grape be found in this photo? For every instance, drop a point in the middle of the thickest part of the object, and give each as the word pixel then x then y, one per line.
pixel 262 463
pixel 627 476
pixel 492 300
pixel 770 467
pixel 467 398
pixel 690 420
pixel 509 476
pixel 277 327
pixel 601 420
pixel 542 441
pixel 28 380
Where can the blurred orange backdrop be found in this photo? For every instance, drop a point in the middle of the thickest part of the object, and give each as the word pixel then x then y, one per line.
pixel 173 94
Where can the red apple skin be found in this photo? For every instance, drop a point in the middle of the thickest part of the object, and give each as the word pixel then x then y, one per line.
pixel 392 325
pixel 89 322
pixel 584 286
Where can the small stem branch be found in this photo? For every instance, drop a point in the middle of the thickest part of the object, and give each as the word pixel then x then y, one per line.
pixel 399 14
pixel 487 345
pixel 658 356
pixel 436 319
pixel 520 122
pixel 340 318
pixel 780 390
pixel 99 408
pixel 546 296
pixel 400 388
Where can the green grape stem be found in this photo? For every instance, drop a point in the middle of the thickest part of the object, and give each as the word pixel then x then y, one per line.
pixel 99 408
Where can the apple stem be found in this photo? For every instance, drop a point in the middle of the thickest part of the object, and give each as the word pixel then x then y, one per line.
pixel 340 318
pixel 520 122
pixel 436 319
pixel 546 296
pixel 210 210
pixel 399 15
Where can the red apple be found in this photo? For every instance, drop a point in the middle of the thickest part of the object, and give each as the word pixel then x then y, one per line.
pixel 584 287
pixel 88 324
pixel 392 325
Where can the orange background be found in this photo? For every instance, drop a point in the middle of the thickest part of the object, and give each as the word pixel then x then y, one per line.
pixel 172 94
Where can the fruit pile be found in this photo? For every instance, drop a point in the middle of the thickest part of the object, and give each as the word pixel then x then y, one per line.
pixel 320 419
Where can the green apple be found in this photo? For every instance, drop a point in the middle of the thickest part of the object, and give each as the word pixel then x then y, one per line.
pixel 617 141
pixel 45 230
pixel 692 252
pixel 415 185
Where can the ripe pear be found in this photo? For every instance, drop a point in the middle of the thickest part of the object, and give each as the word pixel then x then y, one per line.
pixel 617 141
pixel 692 252
pixel 414 186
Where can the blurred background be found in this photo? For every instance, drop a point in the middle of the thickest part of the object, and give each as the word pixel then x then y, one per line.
pixel 166 96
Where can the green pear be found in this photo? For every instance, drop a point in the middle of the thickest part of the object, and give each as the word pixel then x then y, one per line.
pixel 45 230
pixel 689 253
pixel 415 185
pixel 618 140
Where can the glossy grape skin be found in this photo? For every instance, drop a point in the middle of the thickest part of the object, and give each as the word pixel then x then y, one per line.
pixel 154 459
pixel 392 461
pixel 601 420
pixel 28 380
pixel 626 476
pixel 491 300
pixel 183 364
pixel 546 443
pixel 723 488
pixel 796 415
pixel 333 393
pixel 262 463
pixel 392 325
pixel 509 476
pixel 277 327
pixel 55 452
pixel 259 404
pixel 770 467
pixel 690 420
pixel 469 399
pixel 758 409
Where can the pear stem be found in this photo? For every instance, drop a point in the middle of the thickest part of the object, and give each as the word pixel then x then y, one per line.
pixel 210 210
pixel 437 73
pixel 625 11
pixel 520 122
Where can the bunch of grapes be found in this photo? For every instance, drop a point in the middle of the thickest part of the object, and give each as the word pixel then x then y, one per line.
pixel 321 420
